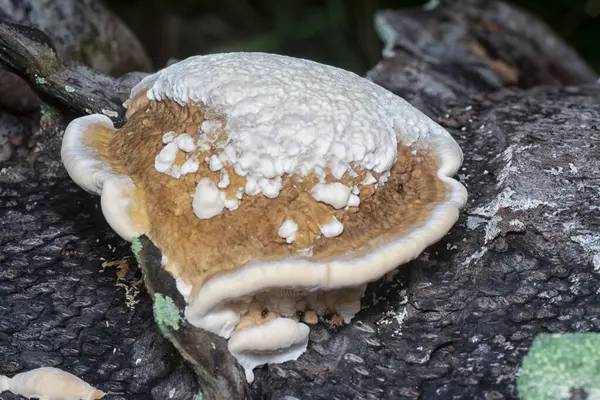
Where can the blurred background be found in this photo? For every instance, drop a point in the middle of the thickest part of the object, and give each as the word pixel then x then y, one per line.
pixel 336 32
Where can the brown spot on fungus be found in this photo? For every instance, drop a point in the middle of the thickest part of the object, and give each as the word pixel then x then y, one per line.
pixel 311 317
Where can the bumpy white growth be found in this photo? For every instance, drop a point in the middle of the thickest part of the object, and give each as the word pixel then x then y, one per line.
pixel 333 228
pixel 335 194
pixel 165 159
pixel 190 166
pixel 168 137
pixel 270 187
pixel 207 200
pixel 224 181
pixel 203 144
pixel 383 178
pixel 287 115
pixel 251 187
pixel 49 383
pixel 210 125
pixel 277 341
pixel 230 204
pixel 185 143
pixel 369 179
pixel 215 163
pixel 353 201
pixel 288 230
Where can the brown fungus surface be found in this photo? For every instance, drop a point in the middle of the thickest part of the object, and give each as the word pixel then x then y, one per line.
pixel 199 249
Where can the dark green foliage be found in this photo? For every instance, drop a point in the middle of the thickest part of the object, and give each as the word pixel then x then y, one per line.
pixel 136 247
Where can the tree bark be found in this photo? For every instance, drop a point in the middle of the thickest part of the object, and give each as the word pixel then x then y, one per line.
pixel 524 258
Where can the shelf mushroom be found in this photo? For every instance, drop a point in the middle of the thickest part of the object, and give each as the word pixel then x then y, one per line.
pixel 48 383
pixel 276 188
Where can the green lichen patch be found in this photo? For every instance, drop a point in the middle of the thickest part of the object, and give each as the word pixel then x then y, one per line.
pixel 199 396
pixel 558 365
pixel 40 80
pixel 49 116
pixel 69 89
pixel 47 111
pixel 136 248
pixel 166 313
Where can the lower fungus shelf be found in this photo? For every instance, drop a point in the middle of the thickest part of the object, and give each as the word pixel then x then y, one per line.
pixel 276 341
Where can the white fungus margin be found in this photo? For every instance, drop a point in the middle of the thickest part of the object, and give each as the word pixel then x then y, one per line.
pixel 96 176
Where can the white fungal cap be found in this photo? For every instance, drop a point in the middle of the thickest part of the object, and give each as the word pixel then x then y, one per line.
pixel 274 342
pixel 215 163
pixel 165 159
pixel 168 137
pixel 96 176
pixel 190 166
pixel 224 181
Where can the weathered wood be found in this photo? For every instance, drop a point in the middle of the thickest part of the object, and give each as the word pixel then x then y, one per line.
pixel 522 260
pixel 79 30
pixel 218 373
pixel 29 53
pixel 467 47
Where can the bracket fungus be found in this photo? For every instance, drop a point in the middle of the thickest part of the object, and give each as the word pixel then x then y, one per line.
pixel 276 188
pixel 48 383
